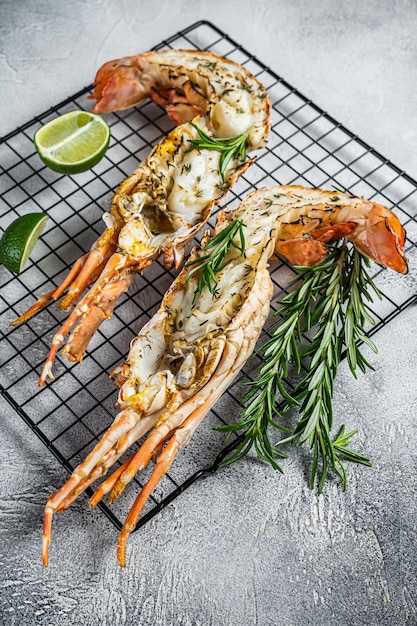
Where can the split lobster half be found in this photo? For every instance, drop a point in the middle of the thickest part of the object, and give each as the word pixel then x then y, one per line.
pixel 187 355
pixel 170 196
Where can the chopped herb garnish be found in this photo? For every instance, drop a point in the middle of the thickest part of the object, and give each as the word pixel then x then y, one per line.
pixel 246 87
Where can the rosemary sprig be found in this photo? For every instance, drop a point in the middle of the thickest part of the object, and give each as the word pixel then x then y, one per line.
pixel 260 410
pixel 356 315
pixel 340 323
pixel 210 264
pixel 229 147
pixel 330 297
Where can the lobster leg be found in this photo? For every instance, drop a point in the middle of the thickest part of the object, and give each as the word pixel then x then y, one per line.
pixel 161 468
pixel 94 265
pixel 105 453
pixel 114 266
pixel 55 294
pixel 84 271
pixel 107 485
pixel 95 316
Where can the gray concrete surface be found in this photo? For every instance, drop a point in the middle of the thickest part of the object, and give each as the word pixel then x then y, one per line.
pixel 245 546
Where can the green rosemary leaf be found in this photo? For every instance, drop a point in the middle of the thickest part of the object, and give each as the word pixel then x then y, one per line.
pixel 364 339
pixel 317 376
pixel 323 474
pixel 342 190
pixel 341 445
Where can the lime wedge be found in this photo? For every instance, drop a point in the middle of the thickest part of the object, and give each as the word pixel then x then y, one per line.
pixel 74 142
pixel 19 239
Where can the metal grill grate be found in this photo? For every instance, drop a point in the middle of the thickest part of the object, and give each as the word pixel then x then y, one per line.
pixel 306 147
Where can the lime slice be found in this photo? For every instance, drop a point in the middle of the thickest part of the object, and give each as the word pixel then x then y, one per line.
pixel 19 239
pixel 74 142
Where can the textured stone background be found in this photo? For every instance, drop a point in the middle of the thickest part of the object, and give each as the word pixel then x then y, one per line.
pixel 244 546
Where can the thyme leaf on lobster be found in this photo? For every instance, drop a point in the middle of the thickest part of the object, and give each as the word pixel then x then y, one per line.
pixel 218 248
pixel 230 148
pixel 330 298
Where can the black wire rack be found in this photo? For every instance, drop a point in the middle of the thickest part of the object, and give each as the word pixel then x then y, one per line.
pixel 306 146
